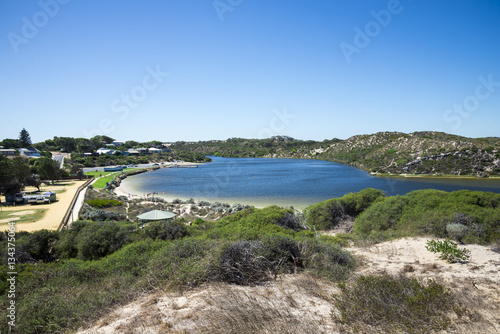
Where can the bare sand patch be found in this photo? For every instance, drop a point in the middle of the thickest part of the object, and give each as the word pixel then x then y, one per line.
pixel 22 213
pixel 303 304
pixel 8 220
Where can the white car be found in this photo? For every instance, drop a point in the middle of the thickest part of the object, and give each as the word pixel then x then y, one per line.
pixel 39 200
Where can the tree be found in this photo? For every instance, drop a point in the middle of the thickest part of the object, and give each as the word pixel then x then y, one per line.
pixel 20 169
pixel 33 181
pixel 48 169
pixel 24 138
pixel 9 185
pixel 66 144
pixel 11 143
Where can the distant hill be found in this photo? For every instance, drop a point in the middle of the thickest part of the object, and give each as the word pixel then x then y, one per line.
pixel 430 153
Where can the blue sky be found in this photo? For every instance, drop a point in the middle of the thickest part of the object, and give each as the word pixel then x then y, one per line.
pixel 196 70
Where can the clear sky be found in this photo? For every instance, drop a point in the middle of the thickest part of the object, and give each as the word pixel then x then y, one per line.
pixel 196 70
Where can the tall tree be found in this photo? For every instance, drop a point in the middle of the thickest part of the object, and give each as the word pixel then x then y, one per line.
pixel 21 170
pixel 9 185
pixel 48 169
pixel 24 138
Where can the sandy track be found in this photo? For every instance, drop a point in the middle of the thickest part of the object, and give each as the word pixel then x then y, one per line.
pixel 55 211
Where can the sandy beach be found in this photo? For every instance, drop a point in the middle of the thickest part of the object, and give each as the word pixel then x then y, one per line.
pixel 55 211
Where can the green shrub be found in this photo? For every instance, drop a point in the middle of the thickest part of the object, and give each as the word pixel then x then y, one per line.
pixel 92 240
pixel 393 304
pixel 449 250
pixel 256 261
pixel 103 203
pixel 456 231
pixel 325 260
pixel 182 263
pixel 166 230
pixel 250 224
pixel 428 212
pixel 328 214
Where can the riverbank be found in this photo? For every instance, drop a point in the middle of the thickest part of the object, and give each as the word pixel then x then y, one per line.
pixel 436 176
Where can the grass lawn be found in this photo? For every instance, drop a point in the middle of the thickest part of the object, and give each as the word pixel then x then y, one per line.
pixel 28 215
pixel 101 183
pixel 98 174
pixel 108 177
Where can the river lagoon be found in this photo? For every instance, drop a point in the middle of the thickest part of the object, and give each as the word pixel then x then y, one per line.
pixel 285 182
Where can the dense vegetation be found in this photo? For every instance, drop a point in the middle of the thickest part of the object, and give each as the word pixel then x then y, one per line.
pixel 435 213
pixel 74 276
pixel 239 147
pixel 465 216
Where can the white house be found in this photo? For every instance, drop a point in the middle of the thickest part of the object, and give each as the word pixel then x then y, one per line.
pixel 105 151
pixel 154 150
pixel 7 151
pixel 29 152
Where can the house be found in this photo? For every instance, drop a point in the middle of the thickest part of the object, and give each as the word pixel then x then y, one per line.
pixel 131 151
pixel 142 150
pixel 105 151
pixel 117 143
pixel 152 150
pixel 7 151
pixel 29 152
pixel 87 154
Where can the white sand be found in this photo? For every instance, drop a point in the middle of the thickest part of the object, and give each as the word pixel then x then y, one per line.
pixel 309 299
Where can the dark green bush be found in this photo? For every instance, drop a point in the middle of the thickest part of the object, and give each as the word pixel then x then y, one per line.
pixel 328 214
pixel 393 304
pixel 92 240
pixel 428 212
pixel 165 230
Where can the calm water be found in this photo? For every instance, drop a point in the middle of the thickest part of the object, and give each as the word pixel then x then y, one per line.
pixel 295 182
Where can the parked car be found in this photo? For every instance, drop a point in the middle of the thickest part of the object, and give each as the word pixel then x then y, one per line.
pixel 37 200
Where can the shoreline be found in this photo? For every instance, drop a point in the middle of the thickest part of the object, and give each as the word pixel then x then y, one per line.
pixel 297 203
pixel 444 176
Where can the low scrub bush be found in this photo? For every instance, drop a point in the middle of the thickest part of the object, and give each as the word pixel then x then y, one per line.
pixel 256 261
pixel 103 203
pixel 393 304
pixel 449 250
pixel 326 260
pixel 289 221
pixel 456 231
pixel 168 230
